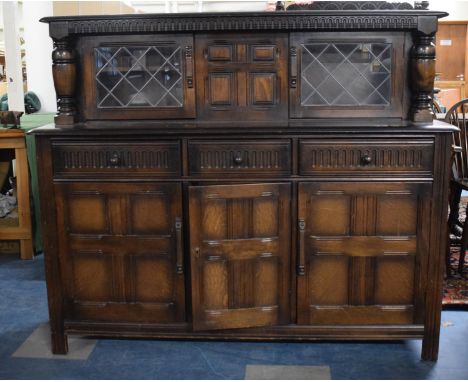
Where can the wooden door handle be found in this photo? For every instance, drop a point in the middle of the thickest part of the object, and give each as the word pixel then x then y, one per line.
pixel 301 264
pixel 189 66
pixel 293 67
pixel 179 247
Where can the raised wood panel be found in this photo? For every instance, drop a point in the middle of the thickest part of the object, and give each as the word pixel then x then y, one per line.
pixel 365 261
pixel 152 278
pixel 215 283
pixel 333 203
pixel 263 52
pixel 134 263
pixel 354 156
pixel 263 88
pixel 242 78
pixel 221 89
pixel 240 157
pixel 149 213
pixel 88 213
pixel 265 271
pixel 92 276
pixel 399 270
pixel 239 262
pixel 397 214
pixel 220 53
pixel 113 157
pixel 327 280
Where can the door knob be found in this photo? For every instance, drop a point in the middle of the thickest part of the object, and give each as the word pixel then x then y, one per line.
pixel 238 159
pixel 366 160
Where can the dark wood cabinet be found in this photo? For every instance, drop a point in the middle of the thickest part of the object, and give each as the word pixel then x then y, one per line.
pixel 272 176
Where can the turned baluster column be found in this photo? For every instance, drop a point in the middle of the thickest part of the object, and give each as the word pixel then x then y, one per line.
pixel 422 77
pixel 64 73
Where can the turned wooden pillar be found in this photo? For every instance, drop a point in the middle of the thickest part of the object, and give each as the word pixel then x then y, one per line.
pixel 422 77
pixel 64 73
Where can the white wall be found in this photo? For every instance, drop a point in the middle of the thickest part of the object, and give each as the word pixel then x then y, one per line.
pixel 14 71
pixel 457 9
pixel 39 47
pixel 162 6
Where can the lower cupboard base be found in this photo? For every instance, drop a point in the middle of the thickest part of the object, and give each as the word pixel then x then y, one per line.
pixel 274 333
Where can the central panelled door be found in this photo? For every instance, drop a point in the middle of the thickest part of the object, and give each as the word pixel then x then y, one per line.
pixel 239 237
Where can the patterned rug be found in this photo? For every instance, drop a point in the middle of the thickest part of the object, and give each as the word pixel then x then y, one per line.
pixel 456 285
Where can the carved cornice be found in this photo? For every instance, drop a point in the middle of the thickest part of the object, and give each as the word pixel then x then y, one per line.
pixel 356 5
pixel 233 23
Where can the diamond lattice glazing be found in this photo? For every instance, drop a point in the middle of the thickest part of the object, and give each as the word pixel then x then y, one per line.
pixel 346 74
pixel 139 76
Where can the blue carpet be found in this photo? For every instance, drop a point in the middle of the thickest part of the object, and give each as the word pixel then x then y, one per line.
pixel 23 307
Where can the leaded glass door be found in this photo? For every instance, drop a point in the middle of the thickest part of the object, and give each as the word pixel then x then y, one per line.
pixel 139 77
pixel 347 74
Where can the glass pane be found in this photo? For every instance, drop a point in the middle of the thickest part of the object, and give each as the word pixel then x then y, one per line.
pixel 139 76
pixel 346 74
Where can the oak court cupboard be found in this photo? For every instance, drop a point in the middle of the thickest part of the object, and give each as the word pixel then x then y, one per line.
pixel 249 176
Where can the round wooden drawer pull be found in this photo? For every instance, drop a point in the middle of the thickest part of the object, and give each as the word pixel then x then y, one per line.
pixel 115 160
pixel 238 159
pixel 366 160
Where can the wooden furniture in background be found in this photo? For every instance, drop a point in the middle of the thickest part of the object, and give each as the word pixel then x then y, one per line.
pixel 451 47
pixel 293 186
pixel 14 139
pixel 458 116
pixel 450 92
pixel 452 61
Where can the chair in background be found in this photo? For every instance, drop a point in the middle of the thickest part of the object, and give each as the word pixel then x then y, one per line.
pixel 436 109
pixel 458 115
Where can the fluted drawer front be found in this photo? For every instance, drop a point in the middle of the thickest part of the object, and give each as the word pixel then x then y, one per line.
pixel 354 156
pixel 243 157
pixel 122 158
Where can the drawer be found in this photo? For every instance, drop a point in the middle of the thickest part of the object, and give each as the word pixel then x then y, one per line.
pixel 243 157
pixel 161 158
pixel 349 156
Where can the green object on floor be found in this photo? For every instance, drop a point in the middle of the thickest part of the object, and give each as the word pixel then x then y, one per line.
pixel 28 122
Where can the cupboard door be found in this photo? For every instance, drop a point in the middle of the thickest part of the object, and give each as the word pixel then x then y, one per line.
pixel 138 77
pixel 347 74
pixel 362 253
pixel 240 240
pixel 242 78
pixel 121 251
